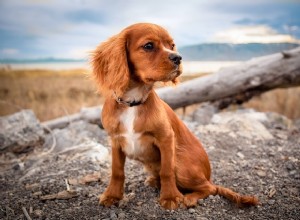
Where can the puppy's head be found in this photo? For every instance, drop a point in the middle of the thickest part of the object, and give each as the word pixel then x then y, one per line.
pixel 144 52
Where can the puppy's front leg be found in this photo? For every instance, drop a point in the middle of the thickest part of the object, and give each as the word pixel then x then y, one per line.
pixel 115 189
pixel 170 197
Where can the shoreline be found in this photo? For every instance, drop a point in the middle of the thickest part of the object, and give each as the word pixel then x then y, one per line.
pixel 189 67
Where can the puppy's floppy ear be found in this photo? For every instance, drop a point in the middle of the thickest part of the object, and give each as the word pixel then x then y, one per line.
pixel 110 66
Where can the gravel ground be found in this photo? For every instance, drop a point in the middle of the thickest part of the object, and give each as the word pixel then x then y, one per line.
pixel 267 168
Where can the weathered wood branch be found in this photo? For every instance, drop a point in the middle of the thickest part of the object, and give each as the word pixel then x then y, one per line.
pixel 238 83
pixel 91 115
pixel 229 85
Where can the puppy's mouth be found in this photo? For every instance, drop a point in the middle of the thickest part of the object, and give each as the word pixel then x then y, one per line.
pixel 173 74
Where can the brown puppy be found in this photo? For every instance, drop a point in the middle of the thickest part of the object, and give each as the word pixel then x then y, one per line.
pixel 143 127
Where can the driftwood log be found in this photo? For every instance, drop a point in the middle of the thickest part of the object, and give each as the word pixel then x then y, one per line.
pixel 91 114
pixel 239 83
pixel 229 85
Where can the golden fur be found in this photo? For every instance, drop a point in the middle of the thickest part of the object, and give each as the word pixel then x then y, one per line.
pixel 126 68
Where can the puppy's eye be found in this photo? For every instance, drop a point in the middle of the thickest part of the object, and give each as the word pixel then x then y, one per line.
pixel 148 46
pixel 172 46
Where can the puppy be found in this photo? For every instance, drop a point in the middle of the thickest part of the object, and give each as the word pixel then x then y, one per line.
pixel 143 127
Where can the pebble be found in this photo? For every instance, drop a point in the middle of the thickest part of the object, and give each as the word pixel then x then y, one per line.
pixel 211 197
pixel 139 203
pixel 38 212
pixel 290 167
pixel 261 173
pixel 271 202
pixel 121 215
pixel 272 192
pixel 37 194
pixel 240 155
pixel 250 188
pixel 113 215
pixel 200 201
pixel 191 211
pixel 201 218
pixel 272 154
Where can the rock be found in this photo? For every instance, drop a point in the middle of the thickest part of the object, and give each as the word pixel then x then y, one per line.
pixel 271 192
pixel 20 132
pixel 290 166
pixel 88 149
pixel 250 188
pixel 200 201
pixel 192 211
pixel 38 213
pixel 113 215
pixel 74 134
pixel 261 173
pixel 204 114
pixel 121 215
pixel 139 203
pixel 271 202
pixel 201 218
pixel 244 124
pixel 278 121
pixel 79 140
pixel 240 155
pixel 297 123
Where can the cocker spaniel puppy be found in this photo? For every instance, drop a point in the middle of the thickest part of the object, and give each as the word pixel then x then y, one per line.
pixel 143 127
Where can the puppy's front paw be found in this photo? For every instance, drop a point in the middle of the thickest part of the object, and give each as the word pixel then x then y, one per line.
pixel 108 200
pixel 171 203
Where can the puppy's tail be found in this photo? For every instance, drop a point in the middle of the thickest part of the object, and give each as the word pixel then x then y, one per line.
pixel 240 200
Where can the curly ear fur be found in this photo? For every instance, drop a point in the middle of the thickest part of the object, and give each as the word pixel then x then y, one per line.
pixel 110 66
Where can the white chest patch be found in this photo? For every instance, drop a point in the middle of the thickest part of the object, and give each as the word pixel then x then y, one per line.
pixel 132 148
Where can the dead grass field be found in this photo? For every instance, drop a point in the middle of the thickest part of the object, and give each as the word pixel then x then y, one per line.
pixel 53 94
pixel 49 93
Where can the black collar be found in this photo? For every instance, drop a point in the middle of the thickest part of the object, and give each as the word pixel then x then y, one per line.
pixel 130 104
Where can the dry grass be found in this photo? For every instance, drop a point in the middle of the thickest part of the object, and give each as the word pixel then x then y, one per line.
pixel 53 94
pixel 49 93
pixel 283 101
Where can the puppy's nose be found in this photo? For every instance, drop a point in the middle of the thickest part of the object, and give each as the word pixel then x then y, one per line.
pixel 175 58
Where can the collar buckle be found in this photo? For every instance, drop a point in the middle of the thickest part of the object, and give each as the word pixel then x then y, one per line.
pixel 130 104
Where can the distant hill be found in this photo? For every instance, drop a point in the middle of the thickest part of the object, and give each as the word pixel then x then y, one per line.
pixel 231 52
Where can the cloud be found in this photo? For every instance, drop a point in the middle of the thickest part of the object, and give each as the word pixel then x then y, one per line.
pixel 253 34
pixel 60 28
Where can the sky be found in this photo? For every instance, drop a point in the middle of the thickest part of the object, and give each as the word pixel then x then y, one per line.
pixel 33 29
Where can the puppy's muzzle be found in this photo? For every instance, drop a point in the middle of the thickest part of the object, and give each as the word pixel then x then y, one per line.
pixel 175 58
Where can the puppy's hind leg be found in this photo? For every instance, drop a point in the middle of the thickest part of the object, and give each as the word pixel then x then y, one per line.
pixel 201 191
